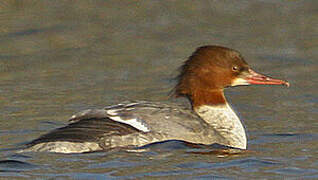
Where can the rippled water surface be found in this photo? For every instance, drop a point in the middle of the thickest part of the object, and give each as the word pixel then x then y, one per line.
pixel 60 57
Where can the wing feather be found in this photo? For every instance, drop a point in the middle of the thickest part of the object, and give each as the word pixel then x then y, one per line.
pixel 86 130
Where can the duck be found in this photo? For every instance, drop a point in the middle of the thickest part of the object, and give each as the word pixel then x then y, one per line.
pixel 207 118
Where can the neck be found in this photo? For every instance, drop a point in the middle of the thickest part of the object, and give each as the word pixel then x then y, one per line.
pixel 224 120
pixel 207 97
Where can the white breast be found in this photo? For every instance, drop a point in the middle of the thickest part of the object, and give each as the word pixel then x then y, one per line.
pixel 224 120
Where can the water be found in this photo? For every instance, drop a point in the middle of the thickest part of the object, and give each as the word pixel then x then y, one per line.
pixel 60 57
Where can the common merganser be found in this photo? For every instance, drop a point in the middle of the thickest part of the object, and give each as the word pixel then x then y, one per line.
pixel 209 119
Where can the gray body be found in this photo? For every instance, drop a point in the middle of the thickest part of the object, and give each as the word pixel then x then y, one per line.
pixel 135 124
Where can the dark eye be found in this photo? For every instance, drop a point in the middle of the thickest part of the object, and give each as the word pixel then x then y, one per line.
pixel 235 68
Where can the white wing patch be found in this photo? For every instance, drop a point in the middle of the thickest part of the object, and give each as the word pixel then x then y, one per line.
pixel 112 112
pixel 122 117
pixel 123 113
pixel 138 124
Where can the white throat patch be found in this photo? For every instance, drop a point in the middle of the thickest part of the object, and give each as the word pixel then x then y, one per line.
pixel 223 119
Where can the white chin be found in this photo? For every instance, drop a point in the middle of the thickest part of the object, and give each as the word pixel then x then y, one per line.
pixel 239 82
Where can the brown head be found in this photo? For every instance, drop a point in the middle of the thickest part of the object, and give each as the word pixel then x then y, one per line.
pixel 210 69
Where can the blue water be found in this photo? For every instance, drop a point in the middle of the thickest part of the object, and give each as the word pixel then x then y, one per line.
pixel 61 57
